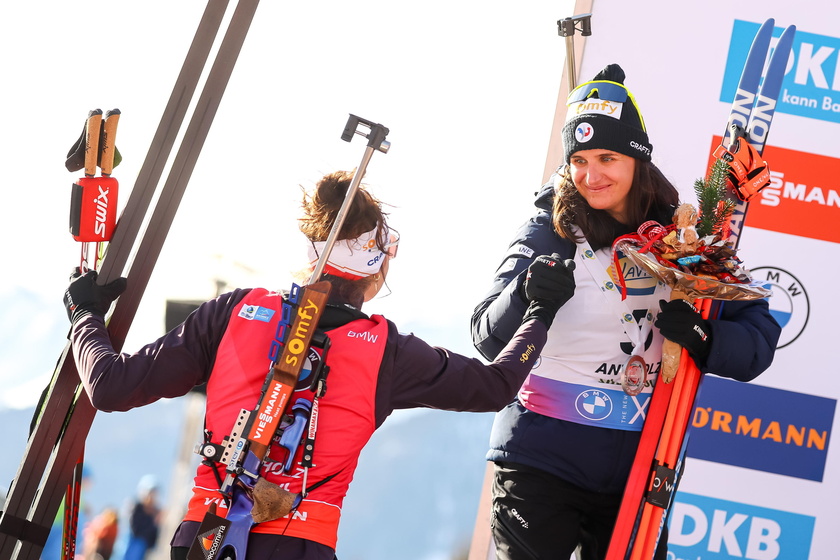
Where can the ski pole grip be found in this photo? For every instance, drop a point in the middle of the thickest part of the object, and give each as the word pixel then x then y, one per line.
pixel 93 126
pixel 109 135
pixel 671 351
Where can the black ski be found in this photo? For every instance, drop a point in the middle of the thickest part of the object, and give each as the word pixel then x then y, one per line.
pixel 64 417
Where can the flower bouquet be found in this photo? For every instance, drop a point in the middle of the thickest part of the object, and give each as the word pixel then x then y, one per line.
pixel 693 255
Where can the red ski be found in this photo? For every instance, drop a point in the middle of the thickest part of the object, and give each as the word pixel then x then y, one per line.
pixel 653 478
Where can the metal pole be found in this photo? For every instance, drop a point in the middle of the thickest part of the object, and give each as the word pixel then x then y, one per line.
pixel 376 141
pixel 566 28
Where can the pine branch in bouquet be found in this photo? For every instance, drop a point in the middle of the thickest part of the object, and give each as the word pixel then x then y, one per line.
pixel 693 255
pixel 715 208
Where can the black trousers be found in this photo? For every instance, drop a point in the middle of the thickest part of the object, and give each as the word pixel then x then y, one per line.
pixel 274 547
pixel 538 516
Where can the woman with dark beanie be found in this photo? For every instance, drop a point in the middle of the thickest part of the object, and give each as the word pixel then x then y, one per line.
pixel 562 451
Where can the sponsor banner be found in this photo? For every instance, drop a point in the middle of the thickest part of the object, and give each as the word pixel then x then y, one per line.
pixel 812 82
pixel 803 197
pixel 761 428
pixel 712 529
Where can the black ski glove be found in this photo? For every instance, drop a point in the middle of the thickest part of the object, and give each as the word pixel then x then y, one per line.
pixel 680 322
pixel 549 283
pixel 85 297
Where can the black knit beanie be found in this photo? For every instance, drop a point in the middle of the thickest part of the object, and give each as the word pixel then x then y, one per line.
pixel 602 114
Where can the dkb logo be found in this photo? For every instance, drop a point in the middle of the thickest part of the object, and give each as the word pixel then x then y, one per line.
pixel 702 527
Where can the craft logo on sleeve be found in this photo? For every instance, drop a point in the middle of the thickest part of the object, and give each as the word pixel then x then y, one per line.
pixel 709 528
pixel 762 428
pixel 811 87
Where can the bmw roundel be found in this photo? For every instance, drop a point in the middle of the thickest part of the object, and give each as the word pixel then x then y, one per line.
pixel 594 404
pixel 789 303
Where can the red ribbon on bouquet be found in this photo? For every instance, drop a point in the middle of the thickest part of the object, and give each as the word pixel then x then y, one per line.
pixel 646 235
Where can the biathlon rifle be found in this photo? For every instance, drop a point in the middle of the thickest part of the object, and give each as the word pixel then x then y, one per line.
pixel 250 498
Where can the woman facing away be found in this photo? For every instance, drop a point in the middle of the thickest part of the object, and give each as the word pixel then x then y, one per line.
pixel 373 370
pixel 563 449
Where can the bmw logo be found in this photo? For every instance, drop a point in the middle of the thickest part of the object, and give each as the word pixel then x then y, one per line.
pixel 310 363
pixel 789 304
pixel 594 404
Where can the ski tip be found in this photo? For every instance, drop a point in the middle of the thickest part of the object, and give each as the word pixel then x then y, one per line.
pixel 785 41
pixel 111 112
pixel 761 41
pixel 94 112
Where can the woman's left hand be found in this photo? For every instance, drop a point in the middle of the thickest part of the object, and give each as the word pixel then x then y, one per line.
pixel 680 322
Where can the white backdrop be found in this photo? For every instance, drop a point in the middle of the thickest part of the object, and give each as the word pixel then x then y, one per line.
pixel 675 58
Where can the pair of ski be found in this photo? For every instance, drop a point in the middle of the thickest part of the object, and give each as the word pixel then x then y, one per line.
pixel 653 478
pixel 93 204
pixel 64 416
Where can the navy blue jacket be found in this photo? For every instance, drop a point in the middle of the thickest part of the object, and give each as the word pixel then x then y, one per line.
pixel 743 341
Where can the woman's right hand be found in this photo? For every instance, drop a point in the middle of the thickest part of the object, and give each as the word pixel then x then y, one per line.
pixel 85 297
pixel 549 284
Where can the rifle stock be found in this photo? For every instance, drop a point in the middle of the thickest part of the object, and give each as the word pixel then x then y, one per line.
pixel 251 499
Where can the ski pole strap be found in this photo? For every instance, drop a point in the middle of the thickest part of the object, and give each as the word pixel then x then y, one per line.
pixel 748 172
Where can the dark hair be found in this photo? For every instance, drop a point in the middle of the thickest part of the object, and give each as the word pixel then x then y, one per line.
pixel 651 196
pixel 320 210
